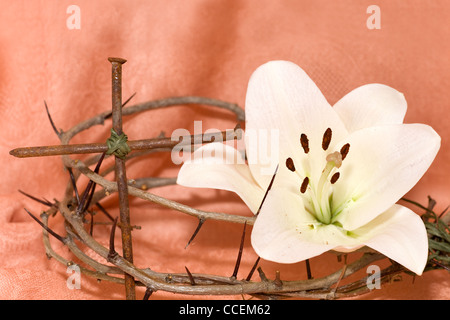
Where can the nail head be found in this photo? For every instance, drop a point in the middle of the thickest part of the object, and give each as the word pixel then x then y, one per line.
pixel 118 60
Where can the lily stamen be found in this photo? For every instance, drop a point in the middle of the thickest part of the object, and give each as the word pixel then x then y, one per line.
pixel 326 139
pixel 334 161
pixel 335 158
pixel 304 142
pixel 304 185
pixel 344 150
pixel 308 192
pixel 290 164
pixel 319 197
pixel 335 177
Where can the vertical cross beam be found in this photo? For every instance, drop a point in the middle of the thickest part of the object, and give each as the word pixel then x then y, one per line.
pixel 120 173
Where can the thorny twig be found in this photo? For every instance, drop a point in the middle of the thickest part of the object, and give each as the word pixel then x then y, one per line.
pixel 189 283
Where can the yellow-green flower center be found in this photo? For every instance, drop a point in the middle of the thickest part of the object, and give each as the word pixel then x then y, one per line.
pixel 319 198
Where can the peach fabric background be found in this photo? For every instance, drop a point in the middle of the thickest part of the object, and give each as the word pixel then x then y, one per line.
pixel 196 47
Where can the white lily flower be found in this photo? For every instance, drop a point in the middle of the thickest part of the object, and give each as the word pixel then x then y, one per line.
pixel 341 170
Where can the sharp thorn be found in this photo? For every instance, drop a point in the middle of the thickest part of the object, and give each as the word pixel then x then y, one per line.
pixel 308 269
pixel 102 209
pixel 74 185
pixel 57 236
pixel 83 205
pixel 441 265
pixel 128 100
pixel 91 194
pixel 112 250
pixel 262 275
pixel 148 293
pixel 191 278
pixel 241 247
pixel 341 276
pixel 109 114
pixel 267 191
pixel 51 121
pixel 200 224
pixel 91 228
pixel 250 274
pixel 443 212
pixel 45 202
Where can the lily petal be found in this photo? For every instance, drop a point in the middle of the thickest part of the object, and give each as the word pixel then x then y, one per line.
pixel 219 166
pixel 286 232
pixel 383 164
pixel 371 105
pixel 399 234
pixel 282 100
pixel 274 235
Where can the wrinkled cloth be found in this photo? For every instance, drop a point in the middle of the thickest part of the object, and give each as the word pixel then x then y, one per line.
pixel 193 48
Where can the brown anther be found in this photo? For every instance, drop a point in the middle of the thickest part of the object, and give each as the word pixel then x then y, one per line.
pixel 326 139
pixel 304 142
pixel 344 150
pixel 290 164
pixel 335 177
pixel 304 185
